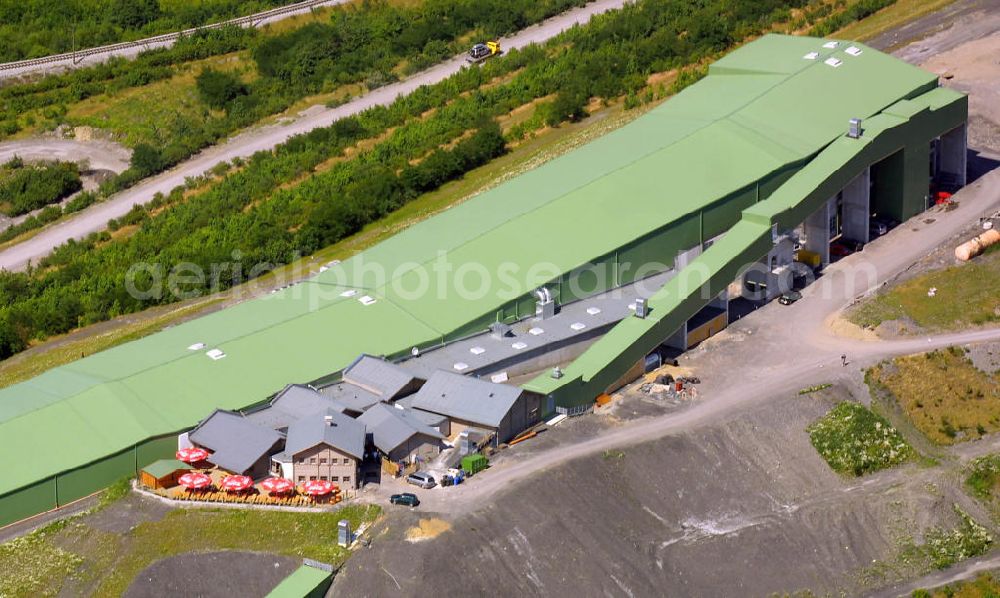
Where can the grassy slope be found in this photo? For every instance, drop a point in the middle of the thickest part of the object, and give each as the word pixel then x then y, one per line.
pixel 967 295
pixel 945 396
pixel 107 563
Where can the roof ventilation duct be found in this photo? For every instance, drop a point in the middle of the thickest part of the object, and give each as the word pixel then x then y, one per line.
pixel 854 129
pixel 499 330
pixel 641 309
pixel 545 306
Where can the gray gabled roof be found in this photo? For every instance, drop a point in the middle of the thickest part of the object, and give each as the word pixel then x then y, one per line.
pixel 431 419
pixel 351 397
pixel 291 404
pixel 377 376
pixel 328 427
pixel 236 443
pixel 391 426
pixel 467 399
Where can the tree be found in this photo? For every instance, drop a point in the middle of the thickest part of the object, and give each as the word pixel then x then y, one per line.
pixel 218 89
pixel 146 159
pixel 135 14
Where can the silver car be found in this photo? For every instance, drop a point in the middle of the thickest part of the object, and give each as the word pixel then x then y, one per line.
pixel 421 479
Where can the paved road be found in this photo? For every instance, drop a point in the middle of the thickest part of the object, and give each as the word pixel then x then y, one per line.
pixel 264 138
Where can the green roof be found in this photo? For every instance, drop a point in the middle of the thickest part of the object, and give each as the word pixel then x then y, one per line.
pixel 304 581
pixel 165 467
pixel 761 109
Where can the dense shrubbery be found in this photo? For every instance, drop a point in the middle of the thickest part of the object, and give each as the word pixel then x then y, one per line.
pixel 27 187
pixel 855 441
pixel 257 212
pixel 33 28
pixel 218 89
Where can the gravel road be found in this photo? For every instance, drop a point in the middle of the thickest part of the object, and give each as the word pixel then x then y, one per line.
pixel 96 217
pixel 102 155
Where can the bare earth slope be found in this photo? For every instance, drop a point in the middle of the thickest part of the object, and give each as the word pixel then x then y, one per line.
pixel 744 507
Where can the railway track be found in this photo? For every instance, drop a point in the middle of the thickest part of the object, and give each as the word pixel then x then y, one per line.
pixel 157 40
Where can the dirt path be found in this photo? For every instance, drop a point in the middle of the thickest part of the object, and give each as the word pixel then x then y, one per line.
pixel 96 217
pixel 102 155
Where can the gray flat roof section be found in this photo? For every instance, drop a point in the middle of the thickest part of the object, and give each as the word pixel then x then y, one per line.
pixel 352 397
pixel 530 337
pixel 290 405
pixel 467 399
pixel 378 376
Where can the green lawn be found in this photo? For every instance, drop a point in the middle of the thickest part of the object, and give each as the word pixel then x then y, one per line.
pixel 967 295
pixel 41 563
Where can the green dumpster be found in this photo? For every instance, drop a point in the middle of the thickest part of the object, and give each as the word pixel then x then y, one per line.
pixel 473 464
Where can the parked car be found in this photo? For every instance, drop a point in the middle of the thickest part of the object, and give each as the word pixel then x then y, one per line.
pixel 406 498
pixel 789 297
pixel 421 479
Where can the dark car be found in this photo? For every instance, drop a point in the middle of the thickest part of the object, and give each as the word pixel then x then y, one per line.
pixel 789 298
pixel 408 499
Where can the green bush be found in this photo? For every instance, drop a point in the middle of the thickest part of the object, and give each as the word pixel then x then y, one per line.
pixel 855 441
pixel 983 475
pixel 217 89
pixel 30 187
pixel 945 548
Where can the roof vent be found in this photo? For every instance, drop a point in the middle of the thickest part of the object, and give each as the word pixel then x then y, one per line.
pixel 328 420
pixel 196 347
pixel 811 56
pixel 854 129
pixel 215 354
pixel 557 373
pixel 349 293
pixel 519 345
pixel 641 308
pixel 834 62
pixel 577 325
pixel 831 45
pixel 477 350
pixel 460 365
pixel 415 352
pixel 853 51
pixel 366 300
pixel 535 331
pixel 593 310
pixel 499 330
